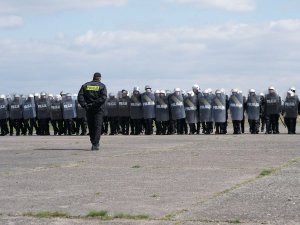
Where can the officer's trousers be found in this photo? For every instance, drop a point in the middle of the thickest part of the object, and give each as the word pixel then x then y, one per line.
pixel 94 120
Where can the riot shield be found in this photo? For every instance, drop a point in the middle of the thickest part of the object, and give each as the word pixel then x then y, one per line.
pixel 253 107
pixel 112 107
pixel 162 108
pixel 4 113
pixel 148 101
pixel 69 108
pixel 43 107
pixel 124 107
pixel 29 110
pixel 177 107
pixel 15 111
pixel 236 106
pixel 205 107
pixel 191 111
pixel 136 107
pixel 56 110
pixel 219 108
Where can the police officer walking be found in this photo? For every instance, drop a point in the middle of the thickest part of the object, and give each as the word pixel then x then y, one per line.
pixel 92 97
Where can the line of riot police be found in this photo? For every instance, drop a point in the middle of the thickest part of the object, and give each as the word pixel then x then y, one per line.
pixel 177 112
pixel 170 112
pixel 36 112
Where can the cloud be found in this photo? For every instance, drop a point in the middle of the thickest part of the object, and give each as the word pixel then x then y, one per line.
pixel 228 55
pixel 36 6
pixel 10 21
pixel 229 5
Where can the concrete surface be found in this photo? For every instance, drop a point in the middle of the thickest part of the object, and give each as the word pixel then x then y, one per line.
pixel 186 180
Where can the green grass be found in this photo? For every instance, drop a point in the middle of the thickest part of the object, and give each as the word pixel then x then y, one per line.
pixel 48 214
pixel 233 221
pixel 267 172
pixel 131 217
pixel 154 196
pixel 136 166
pixel 99 214
pixel 102 215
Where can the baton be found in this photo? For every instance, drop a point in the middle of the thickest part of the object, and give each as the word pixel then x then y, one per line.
pixel 282 121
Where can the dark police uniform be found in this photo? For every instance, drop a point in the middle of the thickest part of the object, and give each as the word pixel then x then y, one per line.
pixel 92 97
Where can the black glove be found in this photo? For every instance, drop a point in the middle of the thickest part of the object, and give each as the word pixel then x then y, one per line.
pixel 88 106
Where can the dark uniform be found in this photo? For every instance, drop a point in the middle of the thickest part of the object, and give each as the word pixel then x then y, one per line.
pixel 290 111
pixel 92 96
pixel 272 111
pixel 4 115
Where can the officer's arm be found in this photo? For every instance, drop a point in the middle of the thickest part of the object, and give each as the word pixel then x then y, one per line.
pixel 103 96
pixel 80 97
pixel 280 104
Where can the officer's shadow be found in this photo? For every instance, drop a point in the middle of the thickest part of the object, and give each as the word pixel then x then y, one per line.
pixel 61 149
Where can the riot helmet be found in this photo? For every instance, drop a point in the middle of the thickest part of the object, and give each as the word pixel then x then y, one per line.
pixel 57 97
pixel 17 96
pixel 218 92
pixel 50 96
pixel 290 93
pixel 271 90
pixel 124 93
pixel 148 88
pixel 177 91
pixel 43 95
pixel 190 93
pixel 234 91
pixel 206 92
pixel 252 92
pixel 196 88
pixel 293 89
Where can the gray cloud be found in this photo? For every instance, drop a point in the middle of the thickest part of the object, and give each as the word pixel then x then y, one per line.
pixel 10 21
pixel 36 6
pixel 229 55
pixel 229 5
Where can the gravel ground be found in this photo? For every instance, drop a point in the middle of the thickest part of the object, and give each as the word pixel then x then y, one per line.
pixel 193 179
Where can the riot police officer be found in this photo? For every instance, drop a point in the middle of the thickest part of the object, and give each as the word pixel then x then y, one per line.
pixel 236 110
pixel 272 111
pixel 136 111
pixel 16 113
pixel 262 115
pixel 219 108
pixel 205 111
pixel 177 110
pixel 290 111
pixel 43 114
pixel 29 115
pixel 112 105
pixel 4 115
pixel 191 111
pixel 148 100
pixel 162 112
pixel 198 94
pixel 69 113
pixel 124 112
pixel 56 115
pixel 253 106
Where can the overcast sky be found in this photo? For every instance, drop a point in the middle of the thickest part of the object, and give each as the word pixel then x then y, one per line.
pixel 55 45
